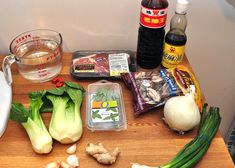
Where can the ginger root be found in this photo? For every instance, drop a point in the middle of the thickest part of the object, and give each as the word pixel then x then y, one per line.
pixel 101 154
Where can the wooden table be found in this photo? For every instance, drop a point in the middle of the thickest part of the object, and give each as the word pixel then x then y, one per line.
pixel 147 139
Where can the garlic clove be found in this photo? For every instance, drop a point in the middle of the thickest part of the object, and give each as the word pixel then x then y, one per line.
pixel 55 164
pixel 64 165
pixel 72 161
pixel 72 149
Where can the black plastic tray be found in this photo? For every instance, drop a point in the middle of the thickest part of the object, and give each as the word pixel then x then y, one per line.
pixel 92 75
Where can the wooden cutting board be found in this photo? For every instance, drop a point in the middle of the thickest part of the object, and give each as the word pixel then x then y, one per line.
pixel 147 139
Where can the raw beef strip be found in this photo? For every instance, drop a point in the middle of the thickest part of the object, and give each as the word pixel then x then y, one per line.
pixel 97 63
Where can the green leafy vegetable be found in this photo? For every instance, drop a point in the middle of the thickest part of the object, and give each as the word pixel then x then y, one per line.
pixel 75 86
pixel 19 113
pixel 32 122
pixel 66 124
pixel 104 94
pixel 57 91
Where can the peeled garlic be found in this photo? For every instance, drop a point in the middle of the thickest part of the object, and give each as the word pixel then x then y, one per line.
pixel 72 161
pixel 72 149
pixel 55 164
pixel 64 165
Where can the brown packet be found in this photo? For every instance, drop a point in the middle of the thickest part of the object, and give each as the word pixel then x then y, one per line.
pixel 153 89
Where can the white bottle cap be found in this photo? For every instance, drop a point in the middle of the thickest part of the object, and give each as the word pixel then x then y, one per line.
pixel 182 6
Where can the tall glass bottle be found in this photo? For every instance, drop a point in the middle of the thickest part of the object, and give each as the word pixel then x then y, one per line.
pixel 175 39
pixel 151 33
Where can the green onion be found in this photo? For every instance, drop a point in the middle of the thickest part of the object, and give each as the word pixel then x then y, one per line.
pixel 193 151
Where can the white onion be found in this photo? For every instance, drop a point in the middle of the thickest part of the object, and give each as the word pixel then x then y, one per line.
pixel 181 112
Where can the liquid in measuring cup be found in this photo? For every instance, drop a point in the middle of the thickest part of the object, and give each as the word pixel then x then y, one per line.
pixel 39 62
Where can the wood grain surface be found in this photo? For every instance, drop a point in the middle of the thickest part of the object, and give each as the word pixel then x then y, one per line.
pixel 147 139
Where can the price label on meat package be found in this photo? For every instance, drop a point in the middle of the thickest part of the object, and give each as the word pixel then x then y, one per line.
pixel 118 63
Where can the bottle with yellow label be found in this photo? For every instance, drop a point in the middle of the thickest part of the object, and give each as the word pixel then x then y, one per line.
pixel 175 39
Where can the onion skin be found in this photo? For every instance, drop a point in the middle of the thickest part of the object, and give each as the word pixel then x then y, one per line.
pixel 182 113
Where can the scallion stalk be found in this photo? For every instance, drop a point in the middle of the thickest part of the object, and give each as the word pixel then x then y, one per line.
pixel 193 151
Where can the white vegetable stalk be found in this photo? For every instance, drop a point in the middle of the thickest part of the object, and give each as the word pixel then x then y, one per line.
pixel 66 124
pixel 40 139
pixel 181 112
pixel 136 165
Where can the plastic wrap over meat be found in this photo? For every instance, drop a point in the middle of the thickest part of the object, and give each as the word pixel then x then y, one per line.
pixel 97 63
pixel 152 89
pixel 102 64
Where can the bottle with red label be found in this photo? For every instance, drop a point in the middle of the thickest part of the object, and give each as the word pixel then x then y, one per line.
pixel 151 33
pixel 175 39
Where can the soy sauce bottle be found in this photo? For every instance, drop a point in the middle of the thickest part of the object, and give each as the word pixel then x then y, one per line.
pixel 176 38
pixel 151 33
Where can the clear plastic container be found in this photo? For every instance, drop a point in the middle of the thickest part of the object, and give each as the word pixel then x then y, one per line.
pixel 104 107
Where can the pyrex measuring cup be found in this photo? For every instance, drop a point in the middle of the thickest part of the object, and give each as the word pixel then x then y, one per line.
pixel 37 54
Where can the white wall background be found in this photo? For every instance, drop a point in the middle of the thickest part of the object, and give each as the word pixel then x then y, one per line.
pixel 113 24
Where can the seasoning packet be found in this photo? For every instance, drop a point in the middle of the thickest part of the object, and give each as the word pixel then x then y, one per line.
pixel 152 89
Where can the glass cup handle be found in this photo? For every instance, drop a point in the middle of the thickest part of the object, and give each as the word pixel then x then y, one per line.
pixel 6 67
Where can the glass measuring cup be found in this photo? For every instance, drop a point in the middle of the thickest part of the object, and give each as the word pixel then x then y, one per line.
pixel 37 54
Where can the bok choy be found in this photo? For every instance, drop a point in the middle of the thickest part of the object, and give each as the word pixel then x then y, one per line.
pixel 66 124
pixel 32 121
